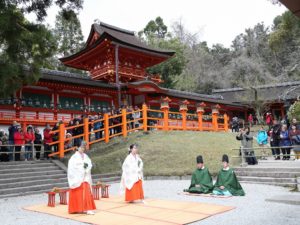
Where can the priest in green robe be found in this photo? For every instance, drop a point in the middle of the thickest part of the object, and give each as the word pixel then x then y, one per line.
pixel 227 183
pixel 201 179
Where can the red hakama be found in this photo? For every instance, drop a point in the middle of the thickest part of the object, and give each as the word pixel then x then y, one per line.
pixel 135 193
pixel 81 199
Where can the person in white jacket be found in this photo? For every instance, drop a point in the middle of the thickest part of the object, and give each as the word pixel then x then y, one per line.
pixel 132 176
pixel 80 182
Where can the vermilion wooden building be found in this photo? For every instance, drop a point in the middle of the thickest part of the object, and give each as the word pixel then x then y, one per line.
pixel 116 61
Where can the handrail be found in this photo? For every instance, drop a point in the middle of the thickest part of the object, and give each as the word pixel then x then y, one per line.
pixel 145 122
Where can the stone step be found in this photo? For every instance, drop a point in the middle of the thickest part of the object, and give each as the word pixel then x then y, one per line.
pixel 26 193
pixel 30 164
pixel 267 169
pixel 267 179
pixel 32 178
pixel 25 162
pixel 46 187
pixel 27 183
pixel 37 189
pixel 42 191
pixel 278 174
pixel 32 188
pixel 28 169
pixel 291 185
pixel 36 173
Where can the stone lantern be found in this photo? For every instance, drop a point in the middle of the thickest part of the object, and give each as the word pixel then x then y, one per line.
pixel 183 106
pixel 200 111
pixel 215 109
pixel 215 113
pixel 200 107
pixel 164 104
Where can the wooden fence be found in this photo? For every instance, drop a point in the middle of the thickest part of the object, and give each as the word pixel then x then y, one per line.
pixel 144 119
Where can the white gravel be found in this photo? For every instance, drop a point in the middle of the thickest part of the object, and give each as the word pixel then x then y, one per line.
pixel 250 209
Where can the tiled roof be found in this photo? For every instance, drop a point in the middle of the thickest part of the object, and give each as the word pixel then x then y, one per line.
pixel 269 92
pixel 73 78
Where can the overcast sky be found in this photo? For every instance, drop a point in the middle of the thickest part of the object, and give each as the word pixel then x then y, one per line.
pixel 216 21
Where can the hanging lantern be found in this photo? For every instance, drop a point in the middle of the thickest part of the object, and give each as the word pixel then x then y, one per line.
pixel 67 105
pixel 51 105
pixel 30 102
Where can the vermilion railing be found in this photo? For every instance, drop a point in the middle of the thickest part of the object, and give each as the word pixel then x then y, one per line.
pixel 149 119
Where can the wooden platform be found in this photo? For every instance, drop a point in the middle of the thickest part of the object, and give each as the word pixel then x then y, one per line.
pixel 114 211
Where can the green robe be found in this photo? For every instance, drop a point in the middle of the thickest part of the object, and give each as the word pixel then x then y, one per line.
pixel 203 178
pixel 227 178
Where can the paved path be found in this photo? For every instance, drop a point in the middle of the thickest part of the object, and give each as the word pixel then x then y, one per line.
pixel 251 209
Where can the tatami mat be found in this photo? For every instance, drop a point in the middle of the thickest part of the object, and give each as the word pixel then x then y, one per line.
pixel 114 211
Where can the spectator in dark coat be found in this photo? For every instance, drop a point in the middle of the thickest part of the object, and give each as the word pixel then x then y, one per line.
pixel 11 131
pixel 37 143
pixel 285 142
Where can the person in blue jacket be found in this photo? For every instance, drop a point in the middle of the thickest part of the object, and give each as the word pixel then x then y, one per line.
pixel 262 140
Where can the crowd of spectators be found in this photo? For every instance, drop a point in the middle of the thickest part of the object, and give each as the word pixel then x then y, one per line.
pixel 12 142
pixel 281 136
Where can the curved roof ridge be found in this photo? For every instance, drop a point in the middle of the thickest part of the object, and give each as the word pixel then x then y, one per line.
pixel 115 28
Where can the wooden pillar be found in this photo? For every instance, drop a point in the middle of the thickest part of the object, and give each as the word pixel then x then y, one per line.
pixel 200 120
pixel 226 122
pixel 145 119
pixel 166 119
pixel 183 114
pixel 86 132
pixel 106 128
pixel 61 138
pixel 215 121
pixel 124 123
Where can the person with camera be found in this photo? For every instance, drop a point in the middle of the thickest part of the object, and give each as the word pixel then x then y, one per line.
pixel 246 139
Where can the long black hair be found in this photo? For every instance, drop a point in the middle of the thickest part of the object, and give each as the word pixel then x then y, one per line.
pixel 131 147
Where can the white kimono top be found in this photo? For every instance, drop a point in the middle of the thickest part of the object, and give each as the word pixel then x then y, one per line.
pixel 77 174
pixel 132 171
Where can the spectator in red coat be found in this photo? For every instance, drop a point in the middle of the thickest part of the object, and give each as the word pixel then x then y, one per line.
pixel 250 120
pixel 29 140
pixel 47 140
pixel 19 141
pixel 269 119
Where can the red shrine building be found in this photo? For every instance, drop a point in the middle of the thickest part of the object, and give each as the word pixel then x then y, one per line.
pixel 116 62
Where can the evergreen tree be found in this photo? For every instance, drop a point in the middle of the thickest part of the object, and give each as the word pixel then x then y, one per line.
pixel 26 46
pixel 69 38
pixel 155 34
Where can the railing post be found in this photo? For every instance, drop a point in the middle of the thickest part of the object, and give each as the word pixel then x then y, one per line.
pixel 226 122
pixel 86 132
pixel 124 123
pixel 166 119
pixel 145 119
pixel 215 121
pixel 61 138
pixel 106 128
pixel 183 114
pixel 200 122
pixel 33 151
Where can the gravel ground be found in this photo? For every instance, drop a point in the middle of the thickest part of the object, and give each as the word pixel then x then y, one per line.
pixel 250 209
